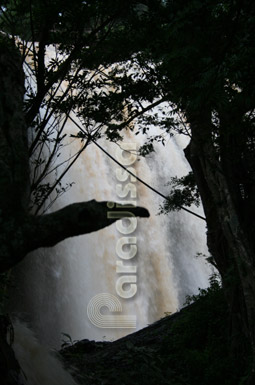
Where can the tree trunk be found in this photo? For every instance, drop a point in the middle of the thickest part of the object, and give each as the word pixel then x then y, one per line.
pixel 226 235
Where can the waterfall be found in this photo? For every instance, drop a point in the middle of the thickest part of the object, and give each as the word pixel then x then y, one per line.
pixel 39 366
pixel 53 287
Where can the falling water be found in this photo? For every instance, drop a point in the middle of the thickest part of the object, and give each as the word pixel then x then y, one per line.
pixel 54 286
pixel 39 365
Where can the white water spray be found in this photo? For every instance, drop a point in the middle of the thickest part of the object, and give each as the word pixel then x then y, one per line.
pixel 55 285
pixel 39 365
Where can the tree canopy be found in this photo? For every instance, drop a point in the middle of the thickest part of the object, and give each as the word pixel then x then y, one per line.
pixel 55 53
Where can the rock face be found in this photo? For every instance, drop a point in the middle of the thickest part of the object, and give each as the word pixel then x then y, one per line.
pixel 152 335
pixel 93 361
pixel 189 347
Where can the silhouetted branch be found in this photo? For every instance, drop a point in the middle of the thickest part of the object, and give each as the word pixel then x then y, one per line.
pixel 77 219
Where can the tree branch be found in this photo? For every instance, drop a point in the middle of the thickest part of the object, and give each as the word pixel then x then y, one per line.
pixel 76 219
pixel 63 69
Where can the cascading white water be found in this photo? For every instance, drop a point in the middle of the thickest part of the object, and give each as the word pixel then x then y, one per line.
pixel 39 365
pixel 54 286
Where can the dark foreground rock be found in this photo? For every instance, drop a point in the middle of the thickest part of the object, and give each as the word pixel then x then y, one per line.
pixel 189 347
pixel 90 359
